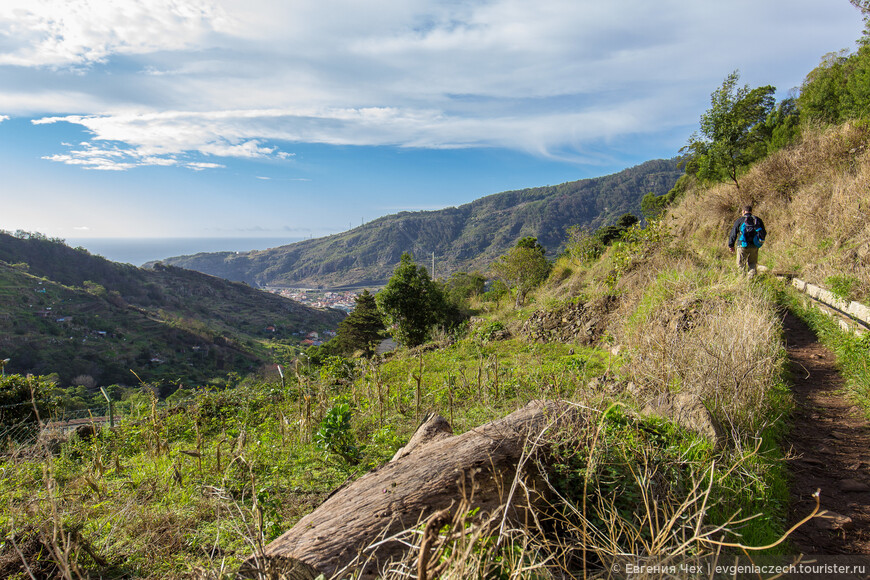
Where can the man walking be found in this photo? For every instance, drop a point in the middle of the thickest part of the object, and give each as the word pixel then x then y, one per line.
pixel 748 234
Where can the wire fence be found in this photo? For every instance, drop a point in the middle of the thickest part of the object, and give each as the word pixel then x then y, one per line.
pixel 27 431
pixel 23 431
pixel 93 412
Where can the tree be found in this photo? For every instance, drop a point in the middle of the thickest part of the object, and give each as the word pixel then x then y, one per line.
pixel 783 124
pixel 608 234
pixel 411 302
pixel 462 286
pixel 652 205
pixel 24 401
pixel 824 89
pixel 732 131
pixel 523 267
pixel 839 88
pixel 858 81
pixel 864 7
pixel 362 329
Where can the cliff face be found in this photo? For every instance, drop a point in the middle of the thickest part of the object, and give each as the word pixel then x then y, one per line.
pixel 464 238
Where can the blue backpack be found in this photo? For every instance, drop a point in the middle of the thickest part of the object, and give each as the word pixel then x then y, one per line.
pixel 751 233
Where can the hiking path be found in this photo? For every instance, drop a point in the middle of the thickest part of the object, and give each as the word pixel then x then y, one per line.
pixel 828 450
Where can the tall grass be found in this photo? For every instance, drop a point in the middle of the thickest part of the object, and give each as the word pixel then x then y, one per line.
pixel 196 489
pixel 709 333
pixel 814 198
pixel 202 484
pixel 613 491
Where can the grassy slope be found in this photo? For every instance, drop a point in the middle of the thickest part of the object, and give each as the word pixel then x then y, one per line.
pixel 813 198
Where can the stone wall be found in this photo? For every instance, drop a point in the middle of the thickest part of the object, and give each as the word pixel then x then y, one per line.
pixel 852 316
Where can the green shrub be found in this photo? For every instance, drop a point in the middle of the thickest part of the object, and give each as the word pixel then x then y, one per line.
pixel 489 331
pixel 24 401
pixel 335 434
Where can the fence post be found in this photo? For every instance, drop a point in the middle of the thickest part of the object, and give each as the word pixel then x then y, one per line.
pixel 111 408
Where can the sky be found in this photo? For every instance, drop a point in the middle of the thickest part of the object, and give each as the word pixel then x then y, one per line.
pixel 302 118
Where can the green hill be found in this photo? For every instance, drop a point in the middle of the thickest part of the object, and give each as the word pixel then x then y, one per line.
pixel 464 238
pixel 65 311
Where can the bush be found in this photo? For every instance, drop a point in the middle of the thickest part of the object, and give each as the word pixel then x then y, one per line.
pixel 489 331
pixel 497 291
pixel 24 401
pixel 335 434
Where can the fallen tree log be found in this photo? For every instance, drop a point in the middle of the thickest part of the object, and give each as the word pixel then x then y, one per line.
pixel 351 530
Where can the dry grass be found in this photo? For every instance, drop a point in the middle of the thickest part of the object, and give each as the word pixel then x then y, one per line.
pixel 595 527
pixel 686 322
pixel 814 198
pixel 708 333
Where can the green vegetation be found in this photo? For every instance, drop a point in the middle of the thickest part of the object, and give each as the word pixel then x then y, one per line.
pixel 646 324
pixel 202 484
pixel 79 315
pixel 462 287
pixel 523 267
pixel 24 401
pixel 842 286
pixel 411 302
pixel 733 131
pixel 361 331
pixel 853 352
pixel 837 90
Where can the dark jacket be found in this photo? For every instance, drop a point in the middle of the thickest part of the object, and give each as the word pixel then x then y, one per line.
pixel 735 231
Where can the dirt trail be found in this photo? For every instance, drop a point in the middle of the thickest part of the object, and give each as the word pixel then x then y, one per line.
pixel 830 450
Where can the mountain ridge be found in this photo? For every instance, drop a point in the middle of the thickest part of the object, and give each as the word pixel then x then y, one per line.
pixel 467 237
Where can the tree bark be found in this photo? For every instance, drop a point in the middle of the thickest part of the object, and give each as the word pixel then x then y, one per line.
pixel 432 476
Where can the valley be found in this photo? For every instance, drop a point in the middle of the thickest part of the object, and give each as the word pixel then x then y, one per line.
pixel 465 238
pixel 76 315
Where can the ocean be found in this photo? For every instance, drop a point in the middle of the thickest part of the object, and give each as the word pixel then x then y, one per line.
pixel 138 251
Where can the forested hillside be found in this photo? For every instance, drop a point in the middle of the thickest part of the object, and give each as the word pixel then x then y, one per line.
pixel 464 238
pixel 65 311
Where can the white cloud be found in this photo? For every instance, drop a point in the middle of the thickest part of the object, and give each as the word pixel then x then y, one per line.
pixel 109 157
pixel 154 81
pixel 155 138
pixel 198 166
pixel 4 118
pixel 83 32
pixel 241 134
pixel 88 161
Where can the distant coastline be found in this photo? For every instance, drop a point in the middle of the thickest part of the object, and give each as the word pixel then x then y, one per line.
pixel 138 251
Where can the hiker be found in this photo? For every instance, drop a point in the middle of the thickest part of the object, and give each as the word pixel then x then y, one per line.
pixel 748 234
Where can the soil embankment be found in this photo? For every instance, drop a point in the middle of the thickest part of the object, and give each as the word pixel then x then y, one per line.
pixel 829 451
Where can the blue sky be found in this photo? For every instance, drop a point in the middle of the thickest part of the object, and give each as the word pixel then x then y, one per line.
pixel 245 118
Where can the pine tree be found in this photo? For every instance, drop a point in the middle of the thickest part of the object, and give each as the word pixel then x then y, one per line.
pixel 363 328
